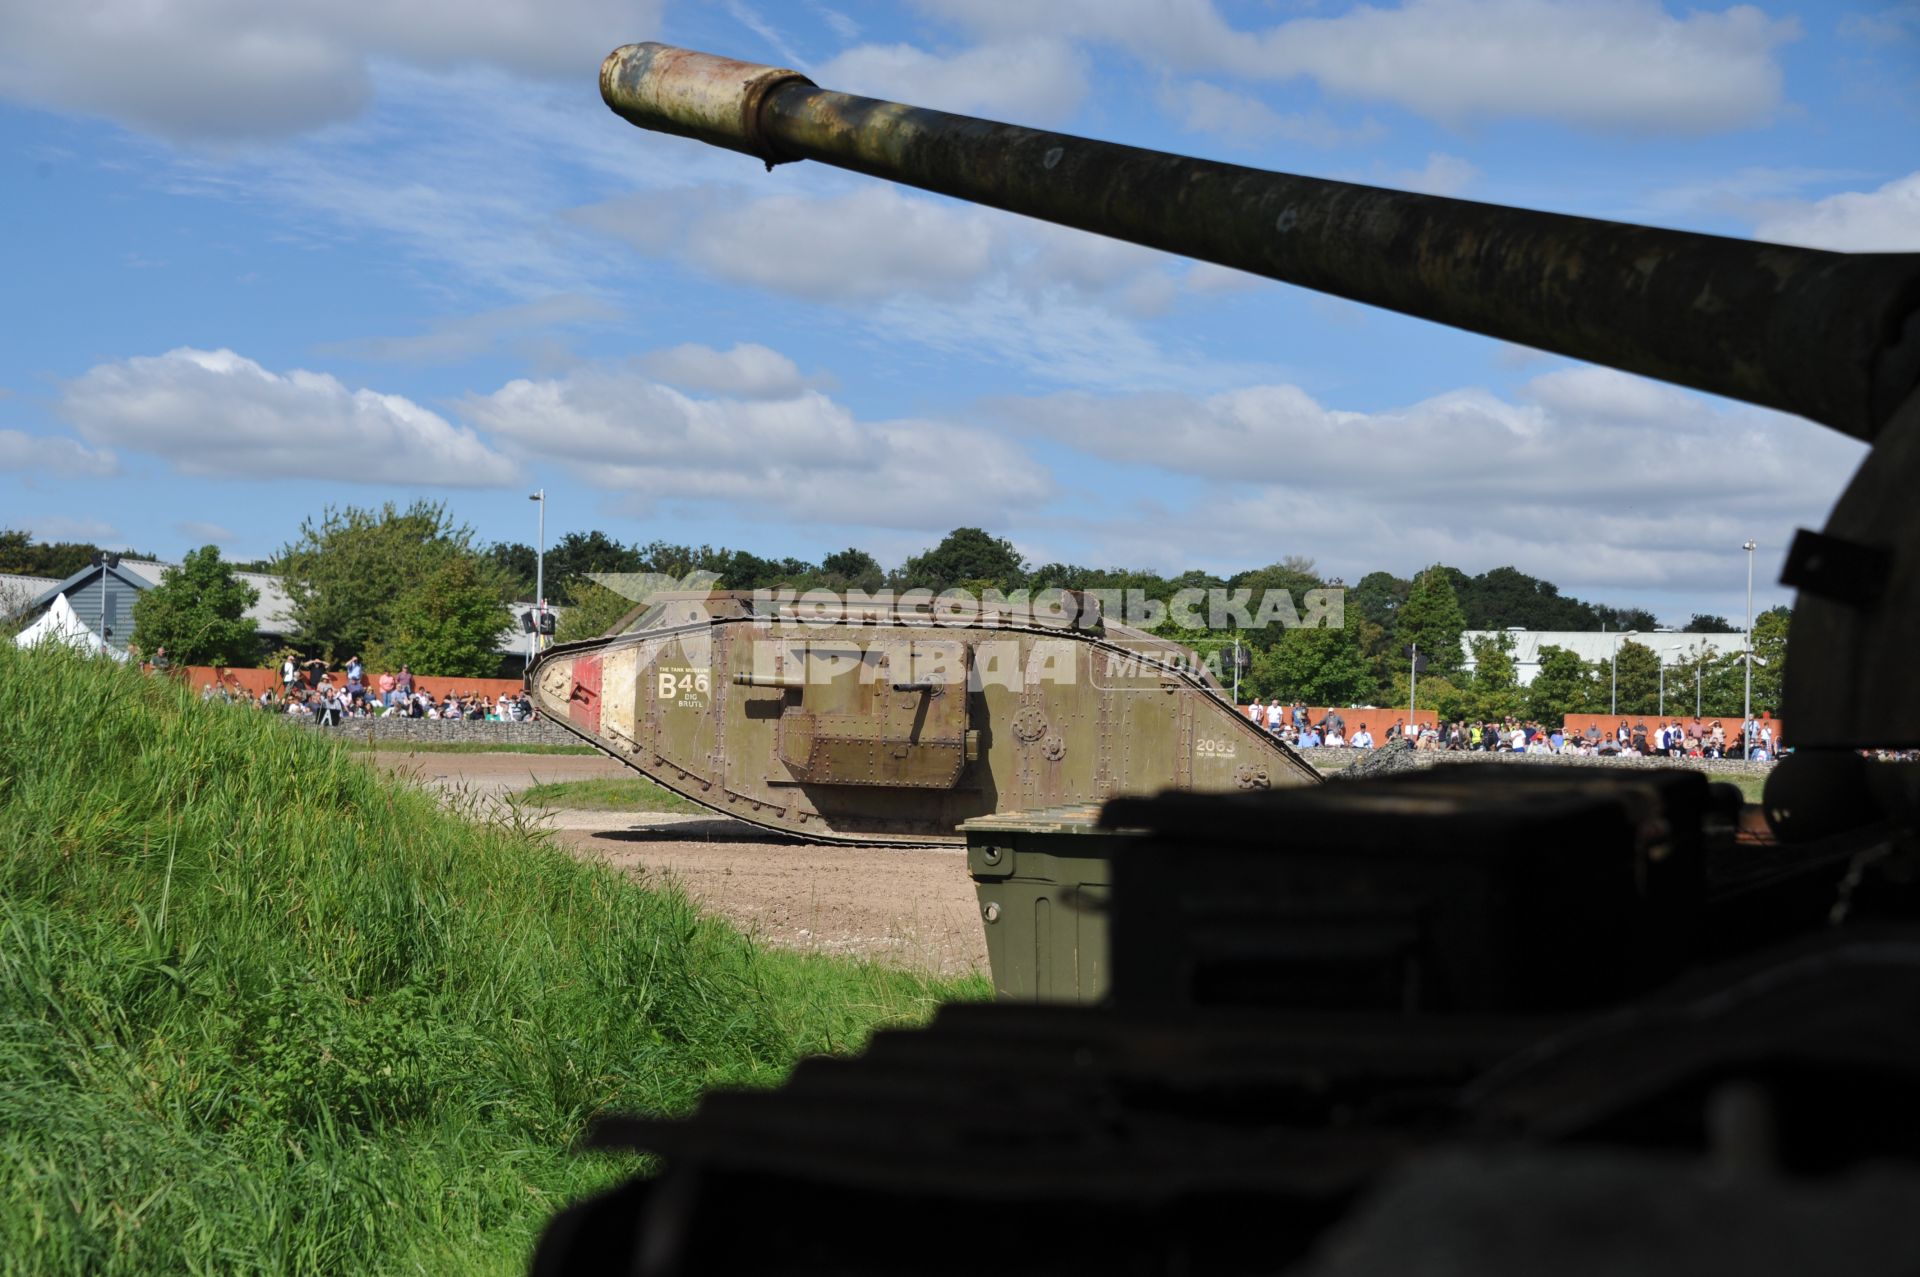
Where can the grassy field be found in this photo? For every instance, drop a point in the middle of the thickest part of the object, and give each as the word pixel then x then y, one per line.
pixel 260 1012
pixel 360 743
pixel 617 793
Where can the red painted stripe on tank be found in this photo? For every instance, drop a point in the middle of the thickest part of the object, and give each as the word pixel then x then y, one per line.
pixel 583 703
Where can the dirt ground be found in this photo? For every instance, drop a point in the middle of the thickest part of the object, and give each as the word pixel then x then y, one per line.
pixel 909 907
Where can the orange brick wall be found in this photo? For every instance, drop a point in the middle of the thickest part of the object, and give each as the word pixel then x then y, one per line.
pixel 254 681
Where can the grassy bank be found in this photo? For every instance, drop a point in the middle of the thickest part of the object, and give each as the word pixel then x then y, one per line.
pixel 261 1012
pixel 612 793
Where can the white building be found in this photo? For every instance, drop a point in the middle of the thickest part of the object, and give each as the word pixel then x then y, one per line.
pixel 1671 646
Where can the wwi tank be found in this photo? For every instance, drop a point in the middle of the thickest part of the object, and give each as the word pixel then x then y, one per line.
pixel 887 722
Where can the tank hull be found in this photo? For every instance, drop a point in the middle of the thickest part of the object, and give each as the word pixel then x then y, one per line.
pixel 895 732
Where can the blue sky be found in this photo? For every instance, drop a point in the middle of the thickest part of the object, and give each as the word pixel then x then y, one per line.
pixel 260 259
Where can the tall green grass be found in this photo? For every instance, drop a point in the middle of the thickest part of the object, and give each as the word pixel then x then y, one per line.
pixel 262 1011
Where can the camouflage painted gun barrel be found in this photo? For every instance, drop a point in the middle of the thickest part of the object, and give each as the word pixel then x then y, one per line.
pixel 1832 336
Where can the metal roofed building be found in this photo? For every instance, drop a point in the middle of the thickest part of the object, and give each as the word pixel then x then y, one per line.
pixel 1671 646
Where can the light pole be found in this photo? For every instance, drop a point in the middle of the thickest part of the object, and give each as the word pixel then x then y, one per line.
pixel 1663 686
pixel 1613 703
pixel 539 577
pixel 106 563
pixel 1413 679
pixel 1746 709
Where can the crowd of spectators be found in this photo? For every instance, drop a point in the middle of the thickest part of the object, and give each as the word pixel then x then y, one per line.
pixel 310 690
pixel 1673 738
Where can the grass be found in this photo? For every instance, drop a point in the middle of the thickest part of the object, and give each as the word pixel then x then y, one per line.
pixel 262 1011
pixel 623 793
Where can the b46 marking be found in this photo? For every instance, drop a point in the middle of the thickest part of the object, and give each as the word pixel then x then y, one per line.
pixel 686 686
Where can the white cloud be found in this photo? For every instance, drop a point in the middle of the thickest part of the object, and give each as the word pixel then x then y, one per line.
pixel 1034 80
pixel 204 533
pixel 747 371
pixel 1243 120
pixel 1886 220
pixel 1625 66
pixel 804 457
pixel 841 25
pixel 872 242
pixel 63 527
pixel 20 451
pixel 1442 174
pixel 463 337
pixel 217 413
pixel 1595 479
pixel 231 70
pixel 972 281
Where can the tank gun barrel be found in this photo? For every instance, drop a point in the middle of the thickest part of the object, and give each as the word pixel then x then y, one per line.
pixel 1831 336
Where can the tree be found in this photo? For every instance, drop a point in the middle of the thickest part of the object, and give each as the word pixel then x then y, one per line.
pixel 1495 687
pixel 965 554
pixel 1322 665
pixel 448 622
pixel 574 556
pixel 1708 623
pixel 1378 598
pixel 1563 685
pixel 1506 596
pixel 1770 645
pixel 1626 618
pixel 1638 668
pixel 198 612
pixel 347 573
pixel 59 559
pixel 853 569
pixel 1431 617
pixel 595 610
pixel 518 563
pixel 1434 692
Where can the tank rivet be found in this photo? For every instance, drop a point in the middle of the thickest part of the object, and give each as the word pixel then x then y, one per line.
pixel 991 912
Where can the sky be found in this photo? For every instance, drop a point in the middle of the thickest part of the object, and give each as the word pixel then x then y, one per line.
pixel 259 260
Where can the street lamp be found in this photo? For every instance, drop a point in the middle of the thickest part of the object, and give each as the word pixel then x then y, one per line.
pixel 539 577
pixel 104 562
pixel 1746 711
pixel 1613 704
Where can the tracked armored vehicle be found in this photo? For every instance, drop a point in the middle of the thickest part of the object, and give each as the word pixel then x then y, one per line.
pixel 887 722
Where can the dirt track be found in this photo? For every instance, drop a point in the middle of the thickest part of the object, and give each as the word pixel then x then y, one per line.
pixel 910 907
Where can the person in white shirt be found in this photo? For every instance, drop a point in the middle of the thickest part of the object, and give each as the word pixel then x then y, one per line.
pixel 1334 738
pixel 1273 716
pixel 1362 739
pixel 1256 712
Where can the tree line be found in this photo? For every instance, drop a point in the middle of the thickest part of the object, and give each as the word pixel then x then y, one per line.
pixel 414 586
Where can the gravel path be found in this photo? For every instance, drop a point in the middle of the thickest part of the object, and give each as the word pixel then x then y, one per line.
pixel 911 906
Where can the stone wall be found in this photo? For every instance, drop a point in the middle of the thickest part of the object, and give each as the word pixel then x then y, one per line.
pixel 445 731
pixel 1369 762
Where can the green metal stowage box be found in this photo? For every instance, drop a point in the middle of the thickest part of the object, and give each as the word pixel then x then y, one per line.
pixel 1043 879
